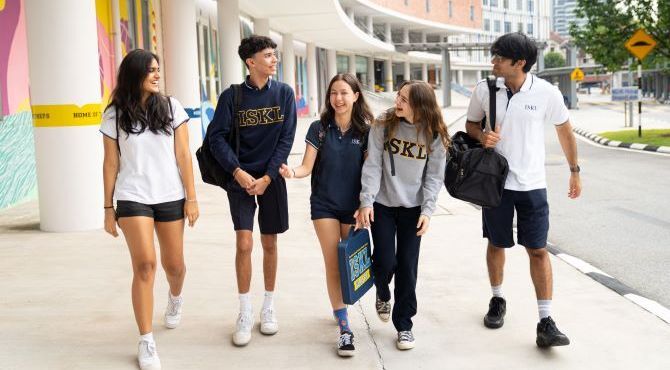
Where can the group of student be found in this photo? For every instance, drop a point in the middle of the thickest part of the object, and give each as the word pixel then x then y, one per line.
pixel 384 174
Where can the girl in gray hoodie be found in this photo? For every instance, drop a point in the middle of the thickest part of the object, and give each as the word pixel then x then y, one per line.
pixel 400 181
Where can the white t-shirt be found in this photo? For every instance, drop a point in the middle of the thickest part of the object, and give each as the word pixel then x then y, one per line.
pixel 148 170
pixel 522 127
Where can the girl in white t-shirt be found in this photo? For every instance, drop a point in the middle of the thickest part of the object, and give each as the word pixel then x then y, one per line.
pixel 147 170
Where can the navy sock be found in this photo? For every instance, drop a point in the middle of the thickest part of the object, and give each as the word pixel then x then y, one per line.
pixel 342 319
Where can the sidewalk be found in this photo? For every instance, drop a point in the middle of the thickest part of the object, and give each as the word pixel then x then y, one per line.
pixel 66 302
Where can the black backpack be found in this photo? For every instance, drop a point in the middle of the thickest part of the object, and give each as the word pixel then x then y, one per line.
pixel 210 169
pixel 476 174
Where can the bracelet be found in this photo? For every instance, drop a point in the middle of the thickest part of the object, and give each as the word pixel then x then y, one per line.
pixel 236 171
pixel 191 200
pixel 293 169
pixel 112 207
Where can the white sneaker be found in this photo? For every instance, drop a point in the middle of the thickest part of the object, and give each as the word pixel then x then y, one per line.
pixel 242 334
pixel 269 325
pixel 405 340
pixel 147 356
pixel 173 312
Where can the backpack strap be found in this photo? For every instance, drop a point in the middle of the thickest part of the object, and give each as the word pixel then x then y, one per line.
pixel 387 145
pixel 491 83
pixel 237 102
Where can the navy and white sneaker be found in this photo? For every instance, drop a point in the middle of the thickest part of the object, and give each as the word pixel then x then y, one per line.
pixel 345 345
pixel 405 340
pixel 383 309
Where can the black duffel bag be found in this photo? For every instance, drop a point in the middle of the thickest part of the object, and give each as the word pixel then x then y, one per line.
pixel 473 173
pixel 210 169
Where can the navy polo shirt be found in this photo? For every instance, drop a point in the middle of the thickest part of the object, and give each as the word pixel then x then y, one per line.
pixel 338 173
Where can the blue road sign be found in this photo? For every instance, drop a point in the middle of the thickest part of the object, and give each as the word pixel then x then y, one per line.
pixel 626 94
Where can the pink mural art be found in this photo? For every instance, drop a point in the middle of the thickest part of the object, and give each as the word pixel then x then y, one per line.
pixel 13 57
pixel 106 60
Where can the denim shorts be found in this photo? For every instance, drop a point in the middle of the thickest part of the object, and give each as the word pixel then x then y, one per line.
pixel 161 212
pixel 532 219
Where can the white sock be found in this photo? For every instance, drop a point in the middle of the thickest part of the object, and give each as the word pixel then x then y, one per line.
pixel 148 337
pixel 245 302
pixel 544 308
pixel 267 302
pixel 497 291
pixel 175 298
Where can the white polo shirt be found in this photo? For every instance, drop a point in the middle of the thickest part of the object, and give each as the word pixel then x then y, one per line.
pixel 521 120
pixel 148 171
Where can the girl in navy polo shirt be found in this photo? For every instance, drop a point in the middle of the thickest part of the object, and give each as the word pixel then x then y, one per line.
pixel 335 151
pixel 401 179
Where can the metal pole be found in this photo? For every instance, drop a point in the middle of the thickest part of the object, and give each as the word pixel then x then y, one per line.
pixel 639 102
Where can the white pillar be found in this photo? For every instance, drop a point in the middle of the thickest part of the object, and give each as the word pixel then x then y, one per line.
pixel 405 35
pixel 424 72
pixel 228 23
pixel 331 66
pixel 288 59
pixel 424 37
pixel 65 100
pixel 352 64
pixel 388 74
pixel 388 35
pixel 407 72
pixel 371 73
pixel 459 77
pixel 312 86
pixel 370 25
pixel 262 27
pixel 437 75
pixel 116 33
pixel 180 63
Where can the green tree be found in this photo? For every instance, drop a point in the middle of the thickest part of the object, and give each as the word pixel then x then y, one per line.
pixel 609 23
pixel 553 60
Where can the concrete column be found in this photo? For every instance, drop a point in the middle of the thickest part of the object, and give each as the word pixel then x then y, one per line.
pixel 288 59
pixel 65 102
pixel 371 73
pixel 331 64
pixel 446 78
pixel 312 85
pixel 388 74
pixel 228 24
pixel 180 64
pixel 370 25
pixel 540 60
pixel 407 72
pixel 437 75
pixel 459 77
pixel 424 72
pixel 388 35
pixel 572 60
pixel 262 27
pixel 352 64
pixel 405 36
pixel 351 15
pixel 424 37
pixel 116 33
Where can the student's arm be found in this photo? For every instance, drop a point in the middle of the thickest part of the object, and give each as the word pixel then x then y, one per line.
pixel 371 176
pixel 185 164
pixel 569 146
pixel 110 169
pixel 432 183
pixel 312 147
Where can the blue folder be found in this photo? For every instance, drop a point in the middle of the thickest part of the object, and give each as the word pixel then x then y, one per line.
pixel 355 261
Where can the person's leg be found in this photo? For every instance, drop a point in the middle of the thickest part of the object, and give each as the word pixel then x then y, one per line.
pixel 171 241
pixel 244 244
pixel 540 273
pixel 138 232
pixel 383 254
pixel 406 273
pixel 269 243
pixel 329 234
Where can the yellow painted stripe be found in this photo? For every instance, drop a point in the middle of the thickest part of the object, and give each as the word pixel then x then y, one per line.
pixel 66 115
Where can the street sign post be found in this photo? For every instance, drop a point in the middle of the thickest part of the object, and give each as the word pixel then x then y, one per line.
pixel 626 94
pixel 640 44
pixel 577 74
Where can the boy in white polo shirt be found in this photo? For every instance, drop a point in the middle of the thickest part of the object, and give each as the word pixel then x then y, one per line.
pixel 523 107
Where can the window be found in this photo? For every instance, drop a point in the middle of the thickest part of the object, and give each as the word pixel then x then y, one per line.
pixel 496 26
pixel 530 29
pixel 486 2
pixel 451 14
pixel 487 25
pixel 427 6
pixel 472 12
pixel 519 4
pixel 508 27
pixel 519 27
pixel 494 3
pixel 506 4
pixel 531 6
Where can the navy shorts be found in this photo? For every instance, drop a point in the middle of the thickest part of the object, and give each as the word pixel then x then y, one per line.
pixel 272 208
pixel 160 212
pixel 320 210
pixel 532 214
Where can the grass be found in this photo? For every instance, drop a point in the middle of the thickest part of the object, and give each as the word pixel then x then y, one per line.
pixel 651 137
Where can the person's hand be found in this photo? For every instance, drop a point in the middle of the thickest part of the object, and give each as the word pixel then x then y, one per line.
pixel 259 185
pixel 191 211
pixel 575 186
pixel 110 222
pixel 490 139
pixel 422 225
pixel 285 171
pixel 363 217
pixel 244 179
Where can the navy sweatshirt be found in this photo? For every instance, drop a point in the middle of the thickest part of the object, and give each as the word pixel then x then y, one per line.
pixel 267 128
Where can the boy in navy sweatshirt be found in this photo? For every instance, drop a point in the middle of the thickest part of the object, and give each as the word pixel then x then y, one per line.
pixel 267 122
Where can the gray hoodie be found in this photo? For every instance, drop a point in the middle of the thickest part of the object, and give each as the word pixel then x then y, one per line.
pixel 410 187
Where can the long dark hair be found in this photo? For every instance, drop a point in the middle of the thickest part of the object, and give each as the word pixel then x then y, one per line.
pixel 361 116
pixel 126 98
pixel 427 113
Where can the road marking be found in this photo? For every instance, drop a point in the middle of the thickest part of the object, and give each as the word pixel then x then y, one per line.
pixel 651 306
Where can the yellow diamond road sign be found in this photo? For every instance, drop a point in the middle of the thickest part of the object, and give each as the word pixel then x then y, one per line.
pixel 577 74
pixel 640 44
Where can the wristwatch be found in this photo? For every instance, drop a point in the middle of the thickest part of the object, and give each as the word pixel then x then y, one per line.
pixel 575 168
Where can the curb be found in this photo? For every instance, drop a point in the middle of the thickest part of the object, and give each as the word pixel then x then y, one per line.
pixel 618 144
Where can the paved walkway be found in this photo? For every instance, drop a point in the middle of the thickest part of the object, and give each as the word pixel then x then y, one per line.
pixel 66 302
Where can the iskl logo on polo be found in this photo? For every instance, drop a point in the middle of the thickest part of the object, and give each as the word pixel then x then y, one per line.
pixel 260 116
pixel 407 149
